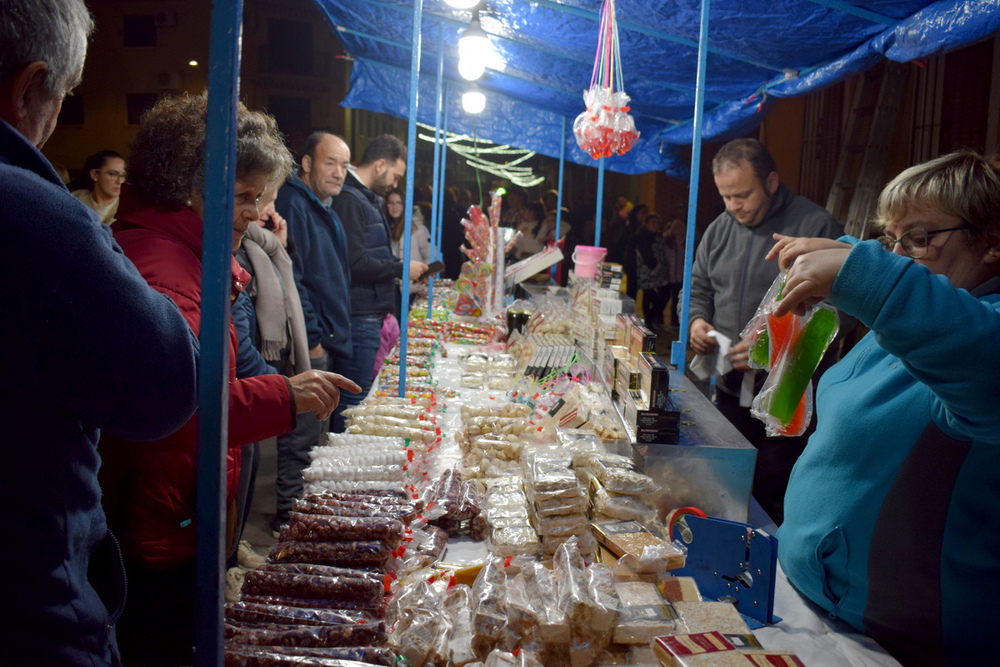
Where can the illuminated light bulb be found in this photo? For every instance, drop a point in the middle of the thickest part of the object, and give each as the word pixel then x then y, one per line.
pixel 471 69
pixel 473 50
pixel 473 101
pixel 462 4
pixel 193 63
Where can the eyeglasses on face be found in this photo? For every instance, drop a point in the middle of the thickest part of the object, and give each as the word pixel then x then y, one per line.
pixel 916 241
pixel 116 175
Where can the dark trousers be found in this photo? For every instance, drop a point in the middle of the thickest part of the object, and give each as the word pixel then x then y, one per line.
pixel 157 628
pixel 293 454
pixel 673 290
pixel 366 337
pixel 654 300
pixel 775 456
pixel 249 462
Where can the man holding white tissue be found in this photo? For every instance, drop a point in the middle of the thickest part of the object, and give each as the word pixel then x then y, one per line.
pixel 728 281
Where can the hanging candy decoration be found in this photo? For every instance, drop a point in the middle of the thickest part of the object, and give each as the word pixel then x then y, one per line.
pixel 606 127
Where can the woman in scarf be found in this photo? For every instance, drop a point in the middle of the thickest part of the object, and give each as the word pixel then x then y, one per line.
pixel 149 488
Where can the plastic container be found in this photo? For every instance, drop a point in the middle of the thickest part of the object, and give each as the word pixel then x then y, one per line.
pixel 586 258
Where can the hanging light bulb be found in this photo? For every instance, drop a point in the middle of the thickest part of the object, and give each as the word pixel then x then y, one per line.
pixel 462 4
pixel 473 49
pixel 473 100
pixel 471 69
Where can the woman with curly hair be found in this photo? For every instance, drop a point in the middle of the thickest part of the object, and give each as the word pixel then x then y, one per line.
pixel 149 488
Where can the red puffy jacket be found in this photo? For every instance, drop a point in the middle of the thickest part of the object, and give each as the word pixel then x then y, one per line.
pixel 149 488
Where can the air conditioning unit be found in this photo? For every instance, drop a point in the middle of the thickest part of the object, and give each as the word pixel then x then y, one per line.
pixel 169 80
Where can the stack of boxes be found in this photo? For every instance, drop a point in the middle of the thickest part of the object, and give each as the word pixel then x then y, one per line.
pixel 618 348
pixel 597 303
pixel 641 383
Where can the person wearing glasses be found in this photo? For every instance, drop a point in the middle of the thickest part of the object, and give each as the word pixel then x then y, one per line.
pixel 892 513
pixel 100 184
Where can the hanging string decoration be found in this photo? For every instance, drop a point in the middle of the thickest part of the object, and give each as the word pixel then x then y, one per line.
pixel 498 159
pixel 606 127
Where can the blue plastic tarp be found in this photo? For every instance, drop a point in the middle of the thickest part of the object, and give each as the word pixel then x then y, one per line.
pixel 544 54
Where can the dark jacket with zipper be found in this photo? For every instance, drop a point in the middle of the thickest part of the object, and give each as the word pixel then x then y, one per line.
pixel 373 268
pixel 88 349
pixel 320 264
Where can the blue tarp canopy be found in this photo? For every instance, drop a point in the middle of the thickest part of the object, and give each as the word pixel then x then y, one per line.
pixel 544 55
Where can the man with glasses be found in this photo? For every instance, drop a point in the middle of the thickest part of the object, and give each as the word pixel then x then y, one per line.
pixel 728 281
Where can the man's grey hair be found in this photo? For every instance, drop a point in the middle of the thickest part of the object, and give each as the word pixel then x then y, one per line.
pixel 52 31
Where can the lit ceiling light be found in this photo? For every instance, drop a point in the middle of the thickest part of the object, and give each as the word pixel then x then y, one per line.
pixel 462 4
pixel 471 69
pixel 473 100
pixel 193 63
pixel 474 50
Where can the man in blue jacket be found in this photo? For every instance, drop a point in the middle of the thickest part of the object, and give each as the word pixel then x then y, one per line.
pixel 88 346
pixel 320 263
pixel 373 268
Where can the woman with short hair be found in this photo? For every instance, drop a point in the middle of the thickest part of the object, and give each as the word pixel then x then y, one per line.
pixel 892 513
pixel 149 488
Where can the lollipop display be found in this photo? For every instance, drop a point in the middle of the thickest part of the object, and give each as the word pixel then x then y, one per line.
pixel 606 127
pixel 476 281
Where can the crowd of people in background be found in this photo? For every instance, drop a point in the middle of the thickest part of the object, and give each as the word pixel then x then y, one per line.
pixel 895 490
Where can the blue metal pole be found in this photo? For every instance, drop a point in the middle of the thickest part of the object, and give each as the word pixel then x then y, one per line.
pixel 444 170
pixel 213 364
pixel 678 351
pixel 562 169
pixel 411 155
pixel 600 201
pixel 436 200
pixel 439 216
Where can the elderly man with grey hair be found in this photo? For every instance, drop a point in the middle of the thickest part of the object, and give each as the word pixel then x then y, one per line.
pixel 67 374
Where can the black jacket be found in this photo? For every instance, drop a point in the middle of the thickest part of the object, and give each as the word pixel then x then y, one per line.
pixel 373 268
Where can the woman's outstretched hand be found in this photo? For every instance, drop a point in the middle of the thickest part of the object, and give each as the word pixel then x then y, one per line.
pixel 812 265
pixel 319 391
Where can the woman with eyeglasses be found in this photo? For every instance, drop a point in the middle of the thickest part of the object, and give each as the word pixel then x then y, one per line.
pixel 100 184
pixel 892 513
pixel 149 488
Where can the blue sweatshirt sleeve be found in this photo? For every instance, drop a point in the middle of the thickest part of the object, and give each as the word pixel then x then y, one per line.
pixel 249 363
pixel 944 336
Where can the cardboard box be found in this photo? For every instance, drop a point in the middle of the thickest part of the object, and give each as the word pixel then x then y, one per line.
pixel 654 381
pixel 718 650
pixel 621 329
pixel 646 418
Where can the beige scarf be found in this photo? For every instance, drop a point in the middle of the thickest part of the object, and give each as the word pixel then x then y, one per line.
pixel 277 302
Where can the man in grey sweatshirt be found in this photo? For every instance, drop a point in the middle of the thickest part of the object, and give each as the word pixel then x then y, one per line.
pixel 728 281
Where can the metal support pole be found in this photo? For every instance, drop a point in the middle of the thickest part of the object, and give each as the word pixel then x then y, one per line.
pixel 600 201
pixel 436 200
pixel 213 363
pixel 678 351
pixel 444 171
pixel 411 154
pixel 559 195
